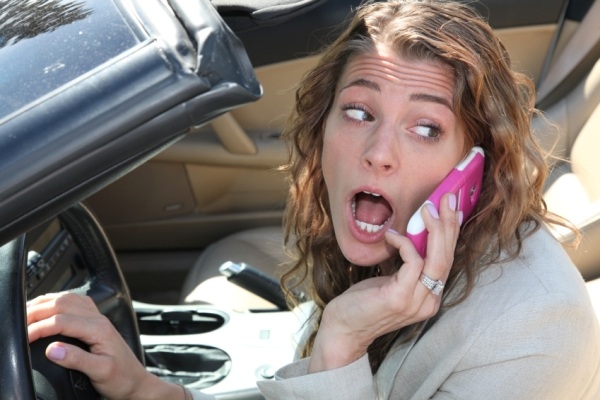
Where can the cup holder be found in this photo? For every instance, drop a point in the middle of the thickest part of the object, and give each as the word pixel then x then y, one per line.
pixel 180 322
pixel 202 366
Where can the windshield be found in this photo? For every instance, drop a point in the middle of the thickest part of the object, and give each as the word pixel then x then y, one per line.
pixel 68 39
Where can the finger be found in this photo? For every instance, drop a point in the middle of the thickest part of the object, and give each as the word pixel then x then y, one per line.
pixel 450 223
pixel 68 355
pixel 435 255
pixel 413 263
pixel 46 306
pixel 73 357
pixel 88 328
pixel 443 230
pixel 438 260
pixel 42 299
pixel 405 246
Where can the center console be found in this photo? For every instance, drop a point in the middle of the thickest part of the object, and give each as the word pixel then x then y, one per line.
pixel 221 352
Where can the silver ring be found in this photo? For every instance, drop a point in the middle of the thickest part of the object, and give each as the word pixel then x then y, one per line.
pixel 436 287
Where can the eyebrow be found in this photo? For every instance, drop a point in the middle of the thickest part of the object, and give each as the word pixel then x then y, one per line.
pixel 413 97
pixel 431 98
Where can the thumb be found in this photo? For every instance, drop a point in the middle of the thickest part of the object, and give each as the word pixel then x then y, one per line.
pixel 69 356
pixel 56 352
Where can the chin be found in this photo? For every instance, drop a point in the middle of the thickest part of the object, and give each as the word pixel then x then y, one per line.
pixel 368 255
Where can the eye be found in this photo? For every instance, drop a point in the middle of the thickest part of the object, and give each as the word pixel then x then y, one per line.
pixel 428 131
pixel 357 113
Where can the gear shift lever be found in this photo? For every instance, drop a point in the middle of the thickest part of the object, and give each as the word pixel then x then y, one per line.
pixel 255 281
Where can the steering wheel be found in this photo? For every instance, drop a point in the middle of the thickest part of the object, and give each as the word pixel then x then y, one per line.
pixel 25 372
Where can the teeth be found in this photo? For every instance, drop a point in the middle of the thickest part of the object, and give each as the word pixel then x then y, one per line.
pixel 370 228
pixel 372 194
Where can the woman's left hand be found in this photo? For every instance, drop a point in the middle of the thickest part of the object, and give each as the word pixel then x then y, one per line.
pixel 376 306
pixel 110 364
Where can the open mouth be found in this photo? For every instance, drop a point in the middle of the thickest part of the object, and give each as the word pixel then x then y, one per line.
pixel 371 211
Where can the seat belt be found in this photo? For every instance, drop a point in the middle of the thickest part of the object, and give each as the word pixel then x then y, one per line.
pixel 579 55
pixel 554 42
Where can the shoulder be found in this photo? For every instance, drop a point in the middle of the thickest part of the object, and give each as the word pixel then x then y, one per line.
pixel 542 268
pixel 538 291
pixel 541 286
pixel 526 330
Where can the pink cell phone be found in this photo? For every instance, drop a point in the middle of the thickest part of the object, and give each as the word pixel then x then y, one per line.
pixel 465 182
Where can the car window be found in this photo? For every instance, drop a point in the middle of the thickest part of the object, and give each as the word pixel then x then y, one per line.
pixel 56 31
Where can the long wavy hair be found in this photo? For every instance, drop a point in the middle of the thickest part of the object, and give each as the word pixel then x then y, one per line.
pixel 495 105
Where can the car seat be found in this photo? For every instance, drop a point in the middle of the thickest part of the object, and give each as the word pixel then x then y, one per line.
pixel 573 188
pixel 262 248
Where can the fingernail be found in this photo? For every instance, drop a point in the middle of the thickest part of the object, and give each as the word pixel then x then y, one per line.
pixel 460 217
pixel 57 353
pixel 390 230
pixel 432 210
pixel 452 201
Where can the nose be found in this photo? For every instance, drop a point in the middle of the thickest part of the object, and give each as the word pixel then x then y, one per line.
pixel 381 153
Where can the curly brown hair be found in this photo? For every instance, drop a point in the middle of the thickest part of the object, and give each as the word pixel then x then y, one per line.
pixel 495 105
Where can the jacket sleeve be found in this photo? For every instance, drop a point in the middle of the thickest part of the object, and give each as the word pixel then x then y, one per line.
pixel 352 382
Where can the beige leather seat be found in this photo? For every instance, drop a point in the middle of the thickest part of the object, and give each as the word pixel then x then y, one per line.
pixel 573 189
pixel 260 247
pixel 574 186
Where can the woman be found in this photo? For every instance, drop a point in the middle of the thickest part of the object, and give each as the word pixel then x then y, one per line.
pixel 394 104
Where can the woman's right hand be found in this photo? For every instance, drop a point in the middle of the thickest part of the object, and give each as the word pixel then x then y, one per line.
pixel 110 364
pixel 376 306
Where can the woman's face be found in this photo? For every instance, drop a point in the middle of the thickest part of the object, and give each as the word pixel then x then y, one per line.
pixel 390 138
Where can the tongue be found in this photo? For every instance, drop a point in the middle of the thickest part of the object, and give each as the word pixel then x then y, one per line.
pixel 373 210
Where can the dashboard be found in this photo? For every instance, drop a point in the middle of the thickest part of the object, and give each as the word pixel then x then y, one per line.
pixel 54 262
pixel 195 344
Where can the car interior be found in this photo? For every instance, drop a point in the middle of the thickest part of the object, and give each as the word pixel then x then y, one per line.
pixel 189 226
pixel 571 107
pixel 249 217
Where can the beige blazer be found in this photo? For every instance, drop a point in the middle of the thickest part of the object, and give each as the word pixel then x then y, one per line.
pixel 527 331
